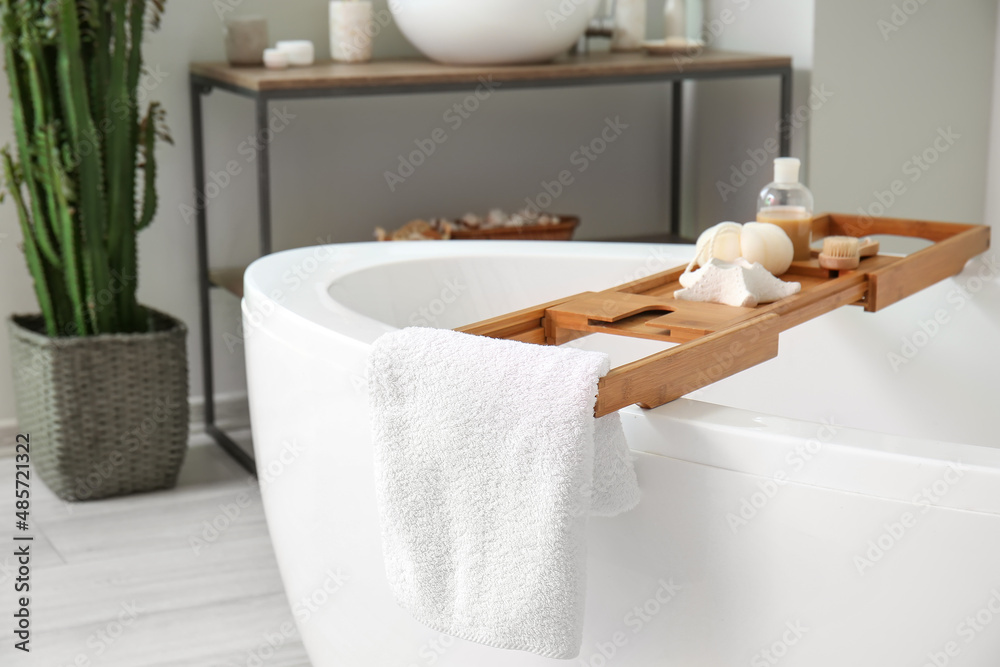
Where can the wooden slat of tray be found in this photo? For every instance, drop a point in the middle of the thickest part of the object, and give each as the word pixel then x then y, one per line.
pixel 852 286
pixel 519 321
pixel 808 268
pixel 925 267
pixel 839 224
pixel 668 375
pixel 658 317
pixel 649 284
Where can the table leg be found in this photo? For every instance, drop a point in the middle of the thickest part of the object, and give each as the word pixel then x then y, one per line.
pixel 676 154
pixel 198 90
pixel 201 223
pixel 264 138
pixel 786 113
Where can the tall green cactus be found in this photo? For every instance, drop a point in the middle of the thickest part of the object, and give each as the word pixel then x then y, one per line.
pixel 74 69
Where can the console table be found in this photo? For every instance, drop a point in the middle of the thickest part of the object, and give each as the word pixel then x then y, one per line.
pixel 407 76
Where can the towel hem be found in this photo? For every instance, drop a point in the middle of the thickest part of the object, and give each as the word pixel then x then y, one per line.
pixel 479 639
pixel 629 506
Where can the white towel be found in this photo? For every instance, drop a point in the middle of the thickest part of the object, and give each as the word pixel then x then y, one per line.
pixel 487 467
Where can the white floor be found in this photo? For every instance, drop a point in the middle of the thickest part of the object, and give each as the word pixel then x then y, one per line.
pixel 146 581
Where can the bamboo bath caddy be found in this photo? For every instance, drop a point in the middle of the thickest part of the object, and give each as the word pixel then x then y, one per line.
pixel 716 341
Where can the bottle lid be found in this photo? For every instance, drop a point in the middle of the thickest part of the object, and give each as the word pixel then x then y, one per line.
pixel 786 169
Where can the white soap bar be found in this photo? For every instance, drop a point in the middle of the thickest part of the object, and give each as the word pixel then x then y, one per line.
pixel 275 59
pixel 300 51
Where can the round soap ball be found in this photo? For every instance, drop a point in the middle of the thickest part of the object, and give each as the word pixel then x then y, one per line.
pixel 721 241
pixel 768 244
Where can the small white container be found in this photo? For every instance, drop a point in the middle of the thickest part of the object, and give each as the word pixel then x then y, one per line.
pixel 301 52
pixel 675 19
pixel 630 25
pixel 351 30
pixel 275 59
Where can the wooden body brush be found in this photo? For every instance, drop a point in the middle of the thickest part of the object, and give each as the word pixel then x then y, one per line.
pixel 843 253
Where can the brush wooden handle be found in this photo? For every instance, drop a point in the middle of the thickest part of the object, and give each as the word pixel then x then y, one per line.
pixel 868 248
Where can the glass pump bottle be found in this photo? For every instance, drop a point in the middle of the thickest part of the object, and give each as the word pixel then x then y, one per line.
pixel 788 204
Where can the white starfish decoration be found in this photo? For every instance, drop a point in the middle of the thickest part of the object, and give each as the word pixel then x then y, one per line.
pixel 736 283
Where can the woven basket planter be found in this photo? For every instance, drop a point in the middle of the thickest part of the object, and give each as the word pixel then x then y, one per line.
pixel 107 414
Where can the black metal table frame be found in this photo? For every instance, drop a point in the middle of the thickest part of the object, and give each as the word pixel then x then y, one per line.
pixel 201 86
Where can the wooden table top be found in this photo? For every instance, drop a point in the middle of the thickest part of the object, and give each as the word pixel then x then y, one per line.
pixel 418 72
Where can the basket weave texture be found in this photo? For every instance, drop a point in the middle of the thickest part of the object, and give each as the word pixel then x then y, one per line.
pixel 561 231
pixel 107 414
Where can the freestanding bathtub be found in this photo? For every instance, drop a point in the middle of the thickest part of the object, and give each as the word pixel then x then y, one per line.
pixel 838 505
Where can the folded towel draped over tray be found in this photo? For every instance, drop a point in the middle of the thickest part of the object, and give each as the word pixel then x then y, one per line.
pixel 488 461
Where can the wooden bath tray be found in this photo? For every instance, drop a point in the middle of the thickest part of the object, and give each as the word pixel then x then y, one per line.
pixel 717 341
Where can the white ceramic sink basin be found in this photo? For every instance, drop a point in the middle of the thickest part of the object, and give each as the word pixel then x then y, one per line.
pixel 492 32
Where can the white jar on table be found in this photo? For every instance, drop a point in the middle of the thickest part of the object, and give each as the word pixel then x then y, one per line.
pixel 630 25
pixel 352 30
pixel 675 19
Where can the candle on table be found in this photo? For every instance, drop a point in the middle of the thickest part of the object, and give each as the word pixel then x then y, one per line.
pixel 351 30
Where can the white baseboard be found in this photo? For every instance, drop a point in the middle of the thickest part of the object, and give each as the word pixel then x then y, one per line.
pixel 231 413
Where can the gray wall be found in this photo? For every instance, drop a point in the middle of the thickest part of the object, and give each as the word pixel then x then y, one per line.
pixel 912 107
pixel 993 171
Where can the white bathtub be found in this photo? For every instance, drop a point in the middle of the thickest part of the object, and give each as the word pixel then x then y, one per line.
pixel 832 507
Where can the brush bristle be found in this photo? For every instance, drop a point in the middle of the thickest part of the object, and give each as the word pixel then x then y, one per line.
pixel 841 246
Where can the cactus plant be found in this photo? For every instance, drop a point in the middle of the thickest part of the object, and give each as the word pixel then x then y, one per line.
pixel 81 143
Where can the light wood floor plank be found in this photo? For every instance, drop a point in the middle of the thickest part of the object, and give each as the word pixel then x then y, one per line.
pixel 94 592
pixel 225 634
pixel 180 578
